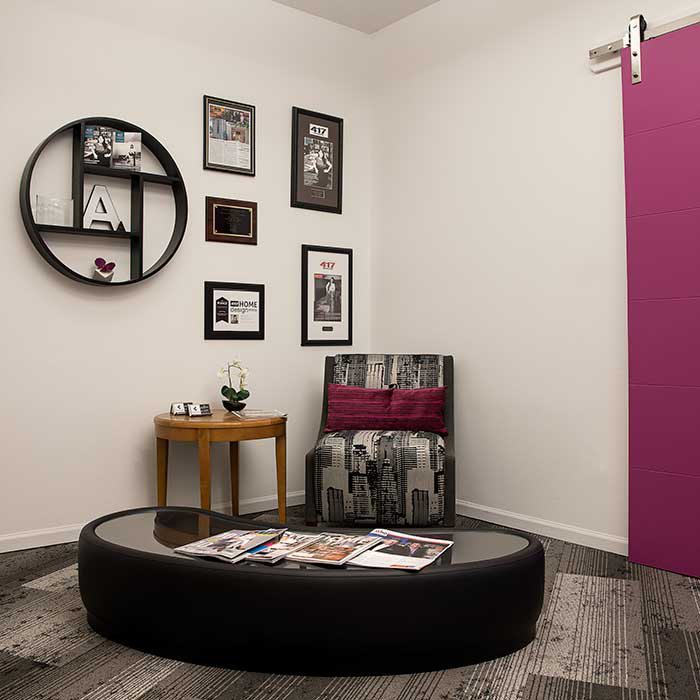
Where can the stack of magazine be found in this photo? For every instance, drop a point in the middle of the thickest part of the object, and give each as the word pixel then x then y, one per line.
pixel 258 413
pixel 231 546
pixel 383 549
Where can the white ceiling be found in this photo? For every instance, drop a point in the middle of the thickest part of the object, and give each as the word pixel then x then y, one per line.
pixel 367 16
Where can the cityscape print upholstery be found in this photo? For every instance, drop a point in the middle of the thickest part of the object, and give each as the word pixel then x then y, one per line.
pixel 375 477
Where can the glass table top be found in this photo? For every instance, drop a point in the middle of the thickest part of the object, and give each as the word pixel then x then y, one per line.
pixel 159 532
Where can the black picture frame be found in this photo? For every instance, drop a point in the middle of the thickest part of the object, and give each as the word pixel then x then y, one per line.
pixel 235 213
pixel 212 333
pixel 306 340
pixel 208 100
pixel 306 196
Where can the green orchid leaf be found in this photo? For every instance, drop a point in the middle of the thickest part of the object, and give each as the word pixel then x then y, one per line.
pixel 228 392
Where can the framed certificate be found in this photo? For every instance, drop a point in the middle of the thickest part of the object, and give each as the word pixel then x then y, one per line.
pixel 234 311
pixel 231 221
pixel 326 295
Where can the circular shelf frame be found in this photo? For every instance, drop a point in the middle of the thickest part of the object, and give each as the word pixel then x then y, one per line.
pixel 172 177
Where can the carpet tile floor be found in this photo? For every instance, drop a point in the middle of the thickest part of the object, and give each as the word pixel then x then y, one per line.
pixel 609 630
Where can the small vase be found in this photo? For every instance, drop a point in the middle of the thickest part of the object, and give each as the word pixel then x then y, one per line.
pixel 233 405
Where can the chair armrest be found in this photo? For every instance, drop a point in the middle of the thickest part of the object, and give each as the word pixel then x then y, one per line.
pixel 450 490
pixel 310 514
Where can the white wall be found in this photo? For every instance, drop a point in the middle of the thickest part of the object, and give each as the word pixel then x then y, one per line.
pixel 84 369
pixel 499 222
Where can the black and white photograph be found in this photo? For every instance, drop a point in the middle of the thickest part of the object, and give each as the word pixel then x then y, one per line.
pixel 317 161
pixel 234 311
pixel 126 150
pixel 231 221
pixel 97 146
pixel 326 295
pixel 229 136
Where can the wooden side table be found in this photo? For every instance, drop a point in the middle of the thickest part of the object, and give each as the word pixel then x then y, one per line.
pixel 220 427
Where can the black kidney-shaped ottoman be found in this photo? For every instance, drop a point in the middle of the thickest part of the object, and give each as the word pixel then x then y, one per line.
pixel 480 600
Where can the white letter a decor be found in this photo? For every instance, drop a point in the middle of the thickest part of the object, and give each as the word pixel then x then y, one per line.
pixel 100 207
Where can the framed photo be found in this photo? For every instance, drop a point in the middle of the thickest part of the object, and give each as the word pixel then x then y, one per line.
pixel 231 221
pixel 317 161
pixel 326 295
pixel 234 311
pixel 229 136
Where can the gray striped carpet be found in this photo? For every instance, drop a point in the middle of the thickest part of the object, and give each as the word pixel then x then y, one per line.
pixel 610 630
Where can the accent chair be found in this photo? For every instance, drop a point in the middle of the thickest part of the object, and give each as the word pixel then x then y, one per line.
pixel 384 477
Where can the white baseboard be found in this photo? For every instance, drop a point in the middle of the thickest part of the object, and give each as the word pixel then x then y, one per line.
pixel 570 533
pixel 548 528
pixel 45 537
pixel 259 504
pixel 29 539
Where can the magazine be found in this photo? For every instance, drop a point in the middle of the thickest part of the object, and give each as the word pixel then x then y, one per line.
pixel 230 546
pixel 126 150
pixel 97 146
pixel 333 548
pixel 400 551
pixel 272 552
pixel 257 413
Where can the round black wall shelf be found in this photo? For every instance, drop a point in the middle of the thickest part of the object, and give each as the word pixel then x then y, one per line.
pixel 172 177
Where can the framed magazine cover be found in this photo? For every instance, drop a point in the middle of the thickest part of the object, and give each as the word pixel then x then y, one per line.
pixel 229 136
pixel 234 311
pixel 317 161
pixel 326 295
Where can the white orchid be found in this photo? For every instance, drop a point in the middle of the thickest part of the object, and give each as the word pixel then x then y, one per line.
pixel 228 391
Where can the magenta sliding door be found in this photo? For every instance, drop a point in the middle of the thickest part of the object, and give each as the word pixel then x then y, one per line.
pixel 662 174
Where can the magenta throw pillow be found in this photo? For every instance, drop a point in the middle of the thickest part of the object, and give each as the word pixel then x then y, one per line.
pixel 356 408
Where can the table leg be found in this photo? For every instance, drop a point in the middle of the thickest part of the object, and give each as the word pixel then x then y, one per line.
pixel 162 470
pixel 233 455
pixel 204 469
pixel 203 526
pixel 281 458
